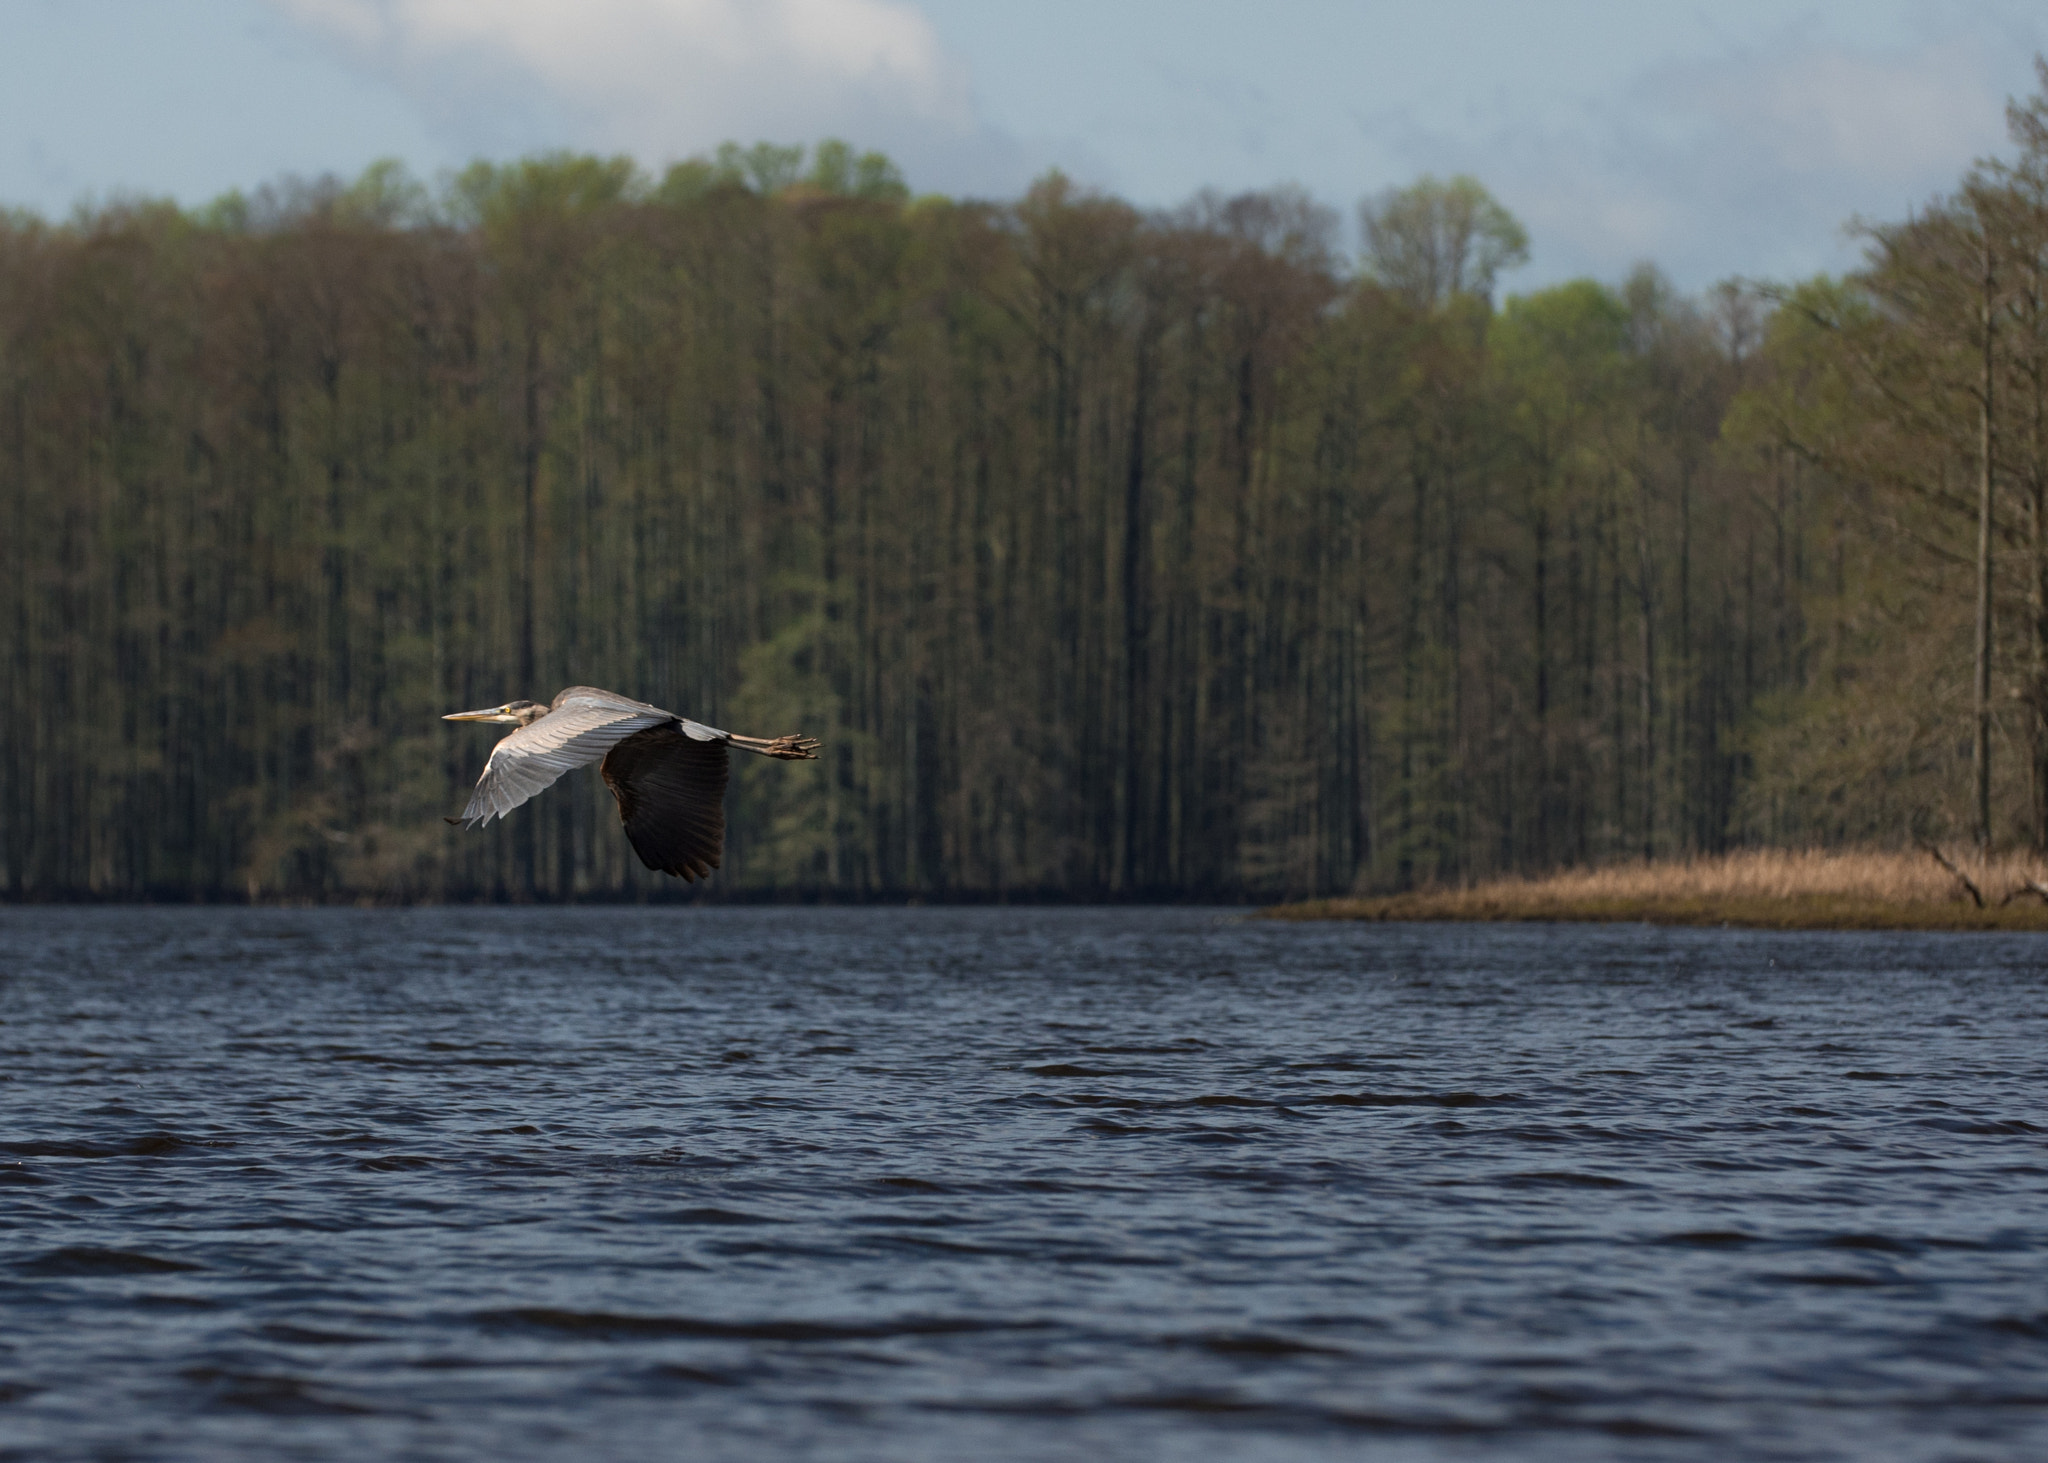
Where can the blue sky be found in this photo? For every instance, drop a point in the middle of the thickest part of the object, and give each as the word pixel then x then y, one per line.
pixel 1732 138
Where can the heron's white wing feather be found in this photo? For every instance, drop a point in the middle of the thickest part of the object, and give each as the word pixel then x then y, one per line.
pixel 580 730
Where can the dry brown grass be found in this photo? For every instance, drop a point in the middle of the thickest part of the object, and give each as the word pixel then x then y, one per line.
pixel 1767 888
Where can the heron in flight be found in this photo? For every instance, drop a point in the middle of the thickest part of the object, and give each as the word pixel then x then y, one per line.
pixel 667 771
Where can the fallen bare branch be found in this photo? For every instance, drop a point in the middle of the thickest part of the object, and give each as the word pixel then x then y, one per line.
pixel 1941 858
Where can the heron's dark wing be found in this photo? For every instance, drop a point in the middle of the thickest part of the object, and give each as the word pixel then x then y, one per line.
pixel 577 732
pixel 671 792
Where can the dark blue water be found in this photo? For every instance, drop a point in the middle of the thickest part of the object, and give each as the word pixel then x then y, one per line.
pixel 995 1184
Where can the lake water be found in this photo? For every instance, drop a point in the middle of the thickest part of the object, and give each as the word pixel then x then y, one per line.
pixel 937 1184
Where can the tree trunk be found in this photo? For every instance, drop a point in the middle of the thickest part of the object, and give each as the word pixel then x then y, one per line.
pixel 1986 426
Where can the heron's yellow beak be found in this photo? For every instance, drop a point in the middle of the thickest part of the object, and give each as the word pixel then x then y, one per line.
pixel 494 713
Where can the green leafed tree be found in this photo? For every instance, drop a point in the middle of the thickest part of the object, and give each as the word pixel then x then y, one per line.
pixel 1440 237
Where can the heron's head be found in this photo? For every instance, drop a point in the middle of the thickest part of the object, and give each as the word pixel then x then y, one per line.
pixel 512 713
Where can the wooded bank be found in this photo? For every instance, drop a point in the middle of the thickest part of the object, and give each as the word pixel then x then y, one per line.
pixel 1109 553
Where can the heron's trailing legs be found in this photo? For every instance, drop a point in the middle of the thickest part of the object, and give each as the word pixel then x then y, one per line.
pixel 790 748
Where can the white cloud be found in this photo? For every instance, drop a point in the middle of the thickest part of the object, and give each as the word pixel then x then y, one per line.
pixel 1883 118
pixel 1753 160
pixel 664 79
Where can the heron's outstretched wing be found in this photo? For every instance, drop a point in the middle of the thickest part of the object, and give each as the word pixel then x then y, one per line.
pixel 584 724
pixel 671 791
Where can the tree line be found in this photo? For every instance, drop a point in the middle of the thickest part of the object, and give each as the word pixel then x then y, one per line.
pixel 1112 553
pixel 1917 390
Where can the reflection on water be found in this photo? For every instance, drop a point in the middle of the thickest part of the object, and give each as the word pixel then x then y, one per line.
pixel 944 1184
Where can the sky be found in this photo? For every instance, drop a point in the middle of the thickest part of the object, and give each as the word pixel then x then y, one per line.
pixel 1737 138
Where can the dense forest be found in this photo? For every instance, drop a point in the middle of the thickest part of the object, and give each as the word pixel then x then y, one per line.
pixel 1111 553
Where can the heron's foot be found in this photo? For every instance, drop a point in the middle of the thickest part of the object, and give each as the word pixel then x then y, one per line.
pixel 789 749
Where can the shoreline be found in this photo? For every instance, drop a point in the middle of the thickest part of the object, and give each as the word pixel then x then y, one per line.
pixel 1756 889
pixel 1457 907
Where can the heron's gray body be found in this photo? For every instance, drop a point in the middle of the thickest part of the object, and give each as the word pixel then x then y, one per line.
pixel 667 771
pixel 581 726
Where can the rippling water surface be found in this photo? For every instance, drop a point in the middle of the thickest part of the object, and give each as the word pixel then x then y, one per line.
pixel 950 1184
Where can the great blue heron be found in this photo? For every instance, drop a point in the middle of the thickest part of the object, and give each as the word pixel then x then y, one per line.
pixel 667 771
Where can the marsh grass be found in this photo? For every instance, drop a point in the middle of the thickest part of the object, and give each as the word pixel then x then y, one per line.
pixel 1763 888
